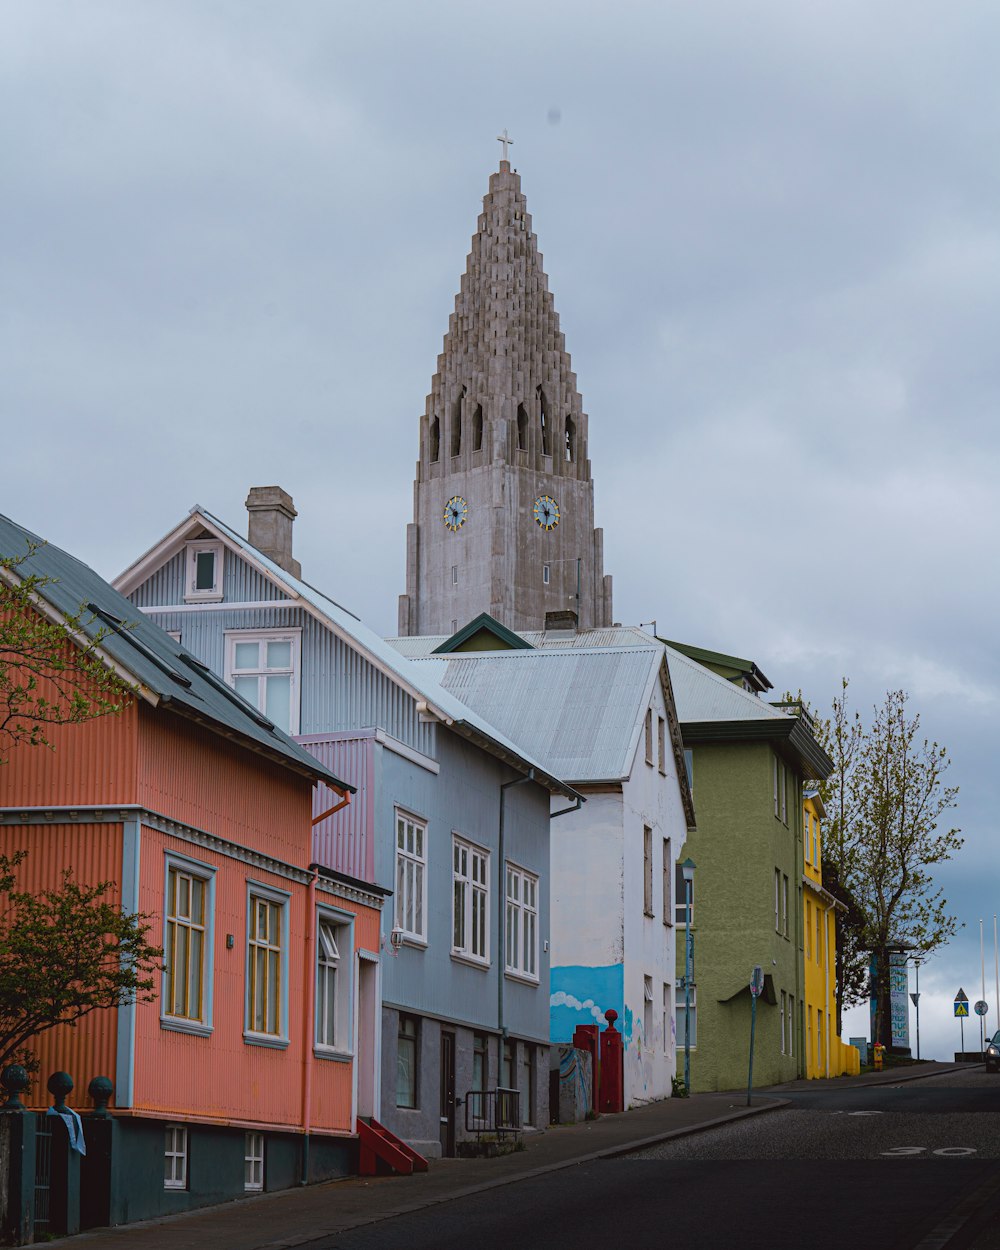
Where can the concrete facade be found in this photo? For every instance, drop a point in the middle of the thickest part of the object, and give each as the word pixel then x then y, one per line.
pixel 503 429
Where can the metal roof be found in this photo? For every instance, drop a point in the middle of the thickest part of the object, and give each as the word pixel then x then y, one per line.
pixel 702 695
pixel 420 682
pixel 167 671
pixel 579 710
pixel 548 640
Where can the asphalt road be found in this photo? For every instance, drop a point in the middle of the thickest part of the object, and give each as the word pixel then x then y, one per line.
pixel 907 1167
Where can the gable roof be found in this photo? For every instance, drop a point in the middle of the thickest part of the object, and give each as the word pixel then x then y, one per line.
pixel 421 685
pixel 483 629
pixel 165 673
pixel 739 668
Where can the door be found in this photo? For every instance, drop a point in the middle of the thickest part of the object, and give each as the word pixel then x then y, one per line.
pixel 368 1048
pixel 447 1094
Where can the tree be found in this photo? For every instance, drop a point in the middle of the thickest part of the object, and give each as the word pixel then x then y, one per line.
pixel 51 671
pixel 884 799
pixel 64 953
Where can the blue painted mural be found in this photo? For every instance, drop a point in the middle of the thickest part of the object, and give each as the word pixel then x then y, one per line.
pixel 580 995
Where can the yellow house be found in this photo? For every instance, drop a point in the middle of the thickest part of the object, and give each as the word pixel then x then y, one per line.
pixel 825 1053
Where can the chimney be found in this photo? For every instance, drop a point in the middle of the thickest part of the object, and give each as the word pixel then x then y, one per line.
pixel 271 513
pixel 563 621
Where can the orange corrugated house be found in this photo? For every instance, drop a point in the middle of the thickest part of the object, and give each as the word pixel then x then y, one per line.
pixel 249 1067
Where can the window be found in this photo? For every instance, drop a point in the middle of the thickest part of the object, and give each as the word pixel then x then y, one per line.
pixel 570 440
pixel 774 768
pixel 263 668
pixel 546 575
pixel 543 422
pixel 777 900
pixel 649 736
pixel 480 1061
pixel 681 1015
pixel 187 946
pixel 477 429
pixel 668 880
pixel 175 1157
pixel 522 428
pixel 175 634
pixel 203 580
pixel 530 1080
pixel 819 936
pixel 819 1038
pixel 406 1062
pixel 689 768
pixel 681 896
pixel 807 928
pixel 647 870
pixel 253 1162
pixel 508 1065
pixel 334 948
pixel 661 740
pixel 522 923
pixel 784 794
pixel 434 441
pixel 814 822
pixel 791 1025
pixel 647 1011
pixel 411 862
pixel 784 906
pixel 668 1014
pixel 267 946
pixel 454 574
pixel 784 1008
pixel 456 426
pixel 470 901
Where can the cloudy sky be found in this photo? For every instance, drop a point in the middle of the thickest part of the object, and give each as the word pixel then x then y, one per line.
pixel 232 232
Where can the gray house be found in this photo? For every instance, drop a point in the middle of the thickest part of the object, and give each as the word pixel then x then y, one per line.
pixel 450 816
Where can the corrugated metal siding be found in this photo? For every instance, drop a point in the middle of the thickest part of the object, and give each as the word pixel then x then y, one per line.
pixel 166 585
pixel 243 584
pixel 195 776
pixel 94 762
pixel 344 840
pixel 94 852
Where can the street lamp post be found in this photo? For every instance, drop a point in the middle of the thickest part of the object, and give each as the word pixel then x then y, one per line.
pixel 687 872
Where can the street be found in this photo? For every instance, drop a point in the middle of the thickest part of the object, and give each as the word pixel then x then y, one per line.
pixel 906 1167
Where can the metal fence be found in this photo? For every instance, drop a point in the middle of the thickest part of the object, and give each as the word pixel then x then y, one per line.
pixel 43 1172
pixel 493 1111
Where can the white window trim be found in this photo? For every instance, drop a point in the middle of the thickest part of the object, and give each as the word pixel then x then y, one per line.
pixel 181 1182
pixel 294 636
pixel 669 870
pixel 205 873
pixel 251 1139
pixel 415 937
pixel 192 550
pixel 679 1013
pixel 519 971
pixel 465 952
pixel 344 922
pixel 279 1040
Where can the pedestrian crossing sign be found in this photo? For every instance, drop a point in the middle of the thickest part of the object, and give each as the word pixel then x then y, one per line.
pixel 961 1004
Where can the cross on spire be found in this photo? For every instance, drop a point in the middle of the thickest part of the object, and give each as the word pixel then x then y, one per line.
pixel 506 140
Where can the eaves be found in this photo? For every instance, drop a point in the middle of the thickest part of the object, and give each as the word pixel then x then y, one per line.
pixel 787 733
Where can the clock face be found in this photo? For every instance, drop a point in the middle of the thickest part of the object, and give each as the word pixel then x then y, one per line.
pixel 546 512
pixel 456 510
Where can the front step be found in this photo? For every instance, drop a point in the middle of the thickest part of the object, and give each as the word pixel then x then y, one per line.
pixel 379 1146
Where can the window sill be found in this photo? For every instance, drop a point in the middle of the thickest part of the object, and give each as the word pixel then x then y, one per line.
pixel 648 914
pixel 413 939
pixel 472 961
pixel 511 974
pixel 177 1024
pixel 331 1053
pixel 214 597
pixel 267 1040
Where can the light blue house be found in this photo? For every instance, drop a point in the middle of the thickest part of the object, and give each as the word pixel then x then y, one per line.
pixel 451 816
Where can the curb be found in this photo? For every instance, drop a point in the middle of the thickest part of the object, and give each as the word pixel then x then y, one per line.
pixel 776 1104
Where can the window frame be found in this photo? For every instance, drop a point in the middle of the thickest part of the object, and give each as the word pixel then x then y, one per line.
pixel 202 1025
pixel 777 901
pixel 650 760
pixel 413 936
pixel 668 882
pixel 679 1014
pixel 661 744
pixel 232 637
pixel 680 899
pixel 472 888
pixel 342 922
pixel 253 1162
pixel 668 1014
pixel 407 1018
pixel 172 1134
pixel 192 549
pixel 647 870
pixel 259 891
pixel 525 917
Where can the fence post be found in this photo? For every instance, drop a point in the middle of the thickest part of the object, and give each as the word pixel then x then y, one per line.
pixel 96 1166
pixel 612 1067
pixel 64 1195
pixel 17 1161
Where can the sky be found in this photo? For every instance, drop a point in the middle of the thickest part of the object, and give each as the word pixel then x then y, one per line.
pixel 232 231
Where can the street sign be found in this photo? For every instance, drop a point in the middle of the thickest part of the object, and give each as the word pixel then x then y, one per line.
pixel 982 1008
pixel 757 981
pixel 961 1004
pixel 915 997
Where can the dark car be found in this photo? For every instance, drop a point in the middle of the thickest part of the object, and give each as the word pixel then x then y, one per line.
pixel 992 1055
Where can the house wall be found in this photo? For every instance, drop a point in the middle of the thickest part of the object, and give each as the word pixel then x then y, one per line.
pixel 737 847
pixel 345 841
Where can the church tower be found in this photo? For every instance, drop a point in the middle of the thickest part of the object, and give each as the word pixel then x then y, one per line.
pixel 503 500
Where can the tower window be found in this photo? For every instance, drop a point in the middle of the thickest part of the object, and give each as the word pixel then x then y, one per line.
pixel 454 574
pixel 522 428
pixel 545 575
pixel 477 429
pixel 543 418
pixel 456 426
pixel 434 441
pixel 570 439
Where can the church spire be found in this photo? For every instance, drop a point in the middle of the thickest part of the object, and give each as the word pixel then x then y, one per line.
pixel 503 429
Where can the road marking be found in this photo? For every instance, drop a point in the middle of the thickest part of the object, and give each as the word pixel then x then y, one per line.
pixel 900 1151
pixel 947 1152
pixel 939 1237
pixel 955 1151
pixel 864 1113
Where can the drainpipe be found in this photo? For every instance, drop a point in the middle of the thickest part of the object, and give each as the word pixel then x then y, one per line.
pixel 502 896
pixel 826 976
pixel 307 1033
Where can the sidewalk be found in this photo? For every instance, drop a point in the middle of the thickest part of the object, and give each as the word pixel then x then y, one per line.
pixel 297 1216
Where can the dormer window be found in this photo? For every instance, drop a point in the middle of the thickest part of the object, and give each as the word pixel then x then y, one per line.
pixel 203 574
